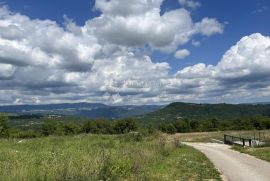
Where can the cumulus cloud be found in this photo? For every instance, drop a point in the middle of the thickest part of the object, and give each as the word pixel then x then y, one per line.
pixel 180 54
pixel 125 8
pixel 249 57
pixel 209 26
pixel 138 23
pixel 43 62
pixel 190 3
pixel 242 72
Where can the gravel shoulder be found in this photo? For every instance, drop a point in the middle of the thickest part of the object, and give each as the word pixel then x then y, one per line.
pixel 233 165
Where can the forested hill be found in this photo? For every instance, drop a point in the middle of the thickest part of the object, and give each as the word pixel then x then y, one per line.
pixel 192 111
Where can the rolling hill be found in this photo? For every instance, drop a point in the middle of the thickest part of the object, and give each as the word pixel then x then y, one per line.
pixel 193 111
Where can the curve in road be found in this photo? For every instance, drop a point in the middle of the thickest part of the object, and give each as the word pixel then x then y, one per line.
pixel 235 166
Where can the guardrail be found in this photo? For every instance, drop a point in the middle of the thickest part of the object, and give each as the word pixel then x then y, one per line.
pixel 234 140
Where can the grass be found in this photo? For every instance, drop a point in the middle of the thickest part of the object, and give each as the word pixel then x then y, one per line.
pixel 101 157
pixel 259 152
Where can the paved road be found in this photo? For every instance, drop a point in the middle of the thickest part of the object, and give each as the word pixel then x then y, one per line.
pixel 233 165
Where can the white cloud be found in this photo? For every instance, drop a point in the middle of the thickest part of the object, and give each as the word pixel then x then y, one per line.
pixel 102 61
pixel 209 26
pixel 6 71
pixel 195 43
pixel 180 54
pixel 125 8
pixel 189 3
pixel 250 56
pixel 137 23
pixel 241 75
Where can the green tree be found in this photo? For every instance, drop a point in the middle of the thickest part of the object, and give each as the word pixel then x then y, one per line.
pixel 4 132
pixel 70 129
pixel 125 126
pixel 50 127
pixel 171 129
pixel 182 126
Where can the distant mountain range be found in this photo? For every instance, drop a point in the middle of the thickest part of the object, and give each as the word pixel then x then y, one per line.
pixel 149 113
pixel 93 110
pixel 180 110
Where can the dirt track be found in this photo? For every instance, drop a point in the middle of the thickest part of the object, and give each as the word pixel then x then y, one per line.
pixel 233 165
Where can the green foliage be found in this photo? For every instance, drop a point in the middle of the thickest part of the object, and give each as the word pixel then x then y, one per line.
pixel 50 127
pixel 182 126
pixel 192 111
pixel 27 134
pixel 110 127
pixel 125 126
pixel 4 132
pixel 241 123
pixel 71 128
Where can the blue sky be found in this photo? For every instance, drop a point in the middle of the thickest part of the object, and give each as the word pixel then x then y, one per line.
pixel 242 17
pixel 134 52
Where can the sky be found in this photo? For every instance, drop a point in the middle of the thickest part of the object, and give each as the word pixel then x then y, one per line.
pixel 134 52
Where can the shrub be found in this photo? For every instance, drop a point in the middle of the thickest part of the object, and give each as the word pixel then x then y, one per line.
pixel 27 134
pixel 4 132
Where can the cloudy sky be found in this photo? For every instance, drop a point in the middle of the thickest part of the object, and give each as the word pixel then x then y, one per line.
pixel 134 51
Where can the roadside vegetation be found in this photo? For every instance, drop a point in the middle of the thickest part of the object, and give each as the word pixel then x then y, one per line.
pixel 102 157
pixel 259 152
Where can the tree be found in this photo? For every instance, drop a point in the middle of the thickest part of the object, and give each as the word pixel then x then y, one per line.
pixel 50 127
pixel 182 126
pixel 70 129
pixel 3 126
pixel 125 126
pixel 171 129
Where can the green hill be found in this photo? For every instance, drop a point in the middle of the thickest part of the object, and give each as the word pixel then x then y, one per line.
pixel 193 111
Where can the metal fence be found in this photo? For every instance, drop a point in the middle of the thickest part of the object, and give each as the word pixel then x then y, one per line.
pixel 234 140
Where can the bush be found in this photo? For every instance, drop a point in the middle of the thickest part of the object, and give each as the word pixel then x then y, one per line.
pixel 109 127
pixel 71 129
pixel 4 132
pixel 125 126
pixel 27 134
pixel 52 127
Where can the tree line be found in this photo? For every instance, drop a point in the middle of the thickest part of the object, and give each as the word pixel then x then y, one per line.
pixel 103 126
pixel 59 128
pixel 212 124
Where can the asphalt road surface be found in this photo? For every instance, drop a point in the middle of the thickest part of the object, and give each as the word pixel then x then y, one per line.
pixel 234 166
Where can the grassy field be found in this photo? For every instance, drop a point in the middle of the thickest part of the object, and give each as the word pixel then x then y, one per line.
pixel 259 152
pixel 99 157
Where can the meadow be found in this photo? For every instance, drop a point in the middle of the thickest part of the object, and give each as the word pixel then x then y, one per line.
pixel 102 157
